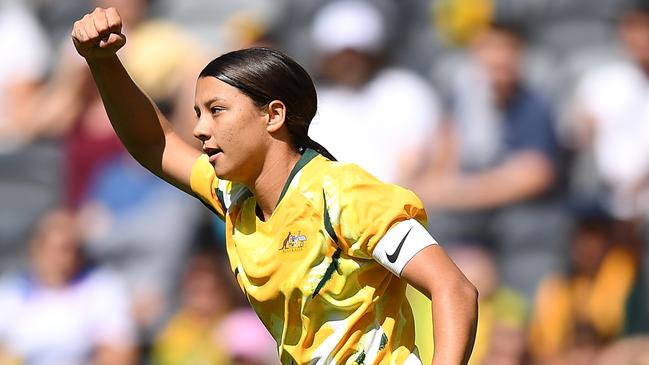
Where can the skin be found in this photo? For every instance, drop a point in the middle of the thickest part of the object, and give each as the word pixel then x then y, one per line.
pixel 523 175
pixel 255 149
pixel 499 54
pixel 55 259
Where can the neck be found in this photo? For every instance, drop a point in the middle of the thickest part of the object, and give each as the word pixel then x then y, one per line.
pixel 270 182
pixel 503 94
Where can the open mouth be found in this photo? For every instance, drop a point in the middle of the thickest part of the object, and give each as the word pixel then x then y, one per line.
pixel 211 152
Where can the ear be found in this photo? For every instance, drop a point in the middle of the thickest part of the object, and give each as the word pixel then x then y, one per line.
pixel 276 116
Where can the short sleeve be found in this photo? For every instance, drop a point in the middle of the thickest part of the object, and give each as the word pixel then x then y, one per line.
pixel 531 127
pixel 209 189
pixel 375 220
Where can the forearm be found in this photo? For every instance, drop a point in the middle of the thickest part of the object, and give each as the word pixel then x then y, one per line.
pixel 454 301
pixel 135 118
pixel 145 132
pixel 455 315
pixel 520 178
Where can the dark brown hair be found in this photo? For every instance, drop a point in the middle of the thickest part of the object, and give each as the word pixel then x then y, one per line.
pixel 264 75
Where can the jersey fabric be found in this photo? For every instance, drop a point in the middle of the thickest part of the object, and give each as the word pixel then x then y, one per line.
pixel 312 271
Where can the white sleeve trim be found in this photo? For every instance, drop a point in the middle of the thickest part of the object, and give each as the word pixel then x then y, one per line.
pixel 400 244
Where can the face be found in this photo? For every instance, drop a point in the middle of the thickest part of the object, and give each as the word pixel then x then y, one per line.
pixel 204 294
pixel 55 249
pixel 634 32
pixel 233 131
pixel 499 54
pixel 349 67
pixel 588 250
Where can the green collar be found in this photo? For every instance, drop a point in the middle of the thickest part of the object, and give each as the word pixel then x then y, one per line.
pixel 307 156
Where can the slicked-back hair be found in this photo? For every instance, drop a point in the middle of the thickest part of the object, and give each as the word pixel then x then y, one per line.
pixel 264 75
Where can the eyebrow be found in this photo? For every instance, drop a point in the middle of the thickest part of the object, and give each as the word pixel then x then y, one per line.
pixel 213 99
pixel 210 101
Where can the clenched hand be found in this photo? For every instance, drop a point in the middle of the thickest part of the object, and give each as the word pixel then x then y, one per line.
pixel 98 34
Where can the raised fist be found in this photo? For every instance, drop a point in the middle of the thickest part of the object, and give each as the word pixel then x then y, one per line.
pixel 98 34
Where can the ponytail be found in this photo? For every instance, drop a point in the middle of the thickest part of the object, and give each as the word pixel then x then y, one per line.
pixel 310 143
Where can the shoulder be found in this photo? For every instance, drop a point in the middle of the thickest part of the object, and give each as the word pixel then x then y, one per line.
pixel 531 98
pixel 402 77
pixel 608 89
pixel 613 75
pixel 353 185
pixel 531 109
pixel 331 179
pixel 101 283
pixel 404 84
pixel 14 290
pixel 345 174
pixel 12 287
pixel 611 71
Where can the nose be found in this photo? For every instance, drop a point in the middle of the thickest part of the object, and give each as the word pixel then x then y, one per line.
pixel 201 131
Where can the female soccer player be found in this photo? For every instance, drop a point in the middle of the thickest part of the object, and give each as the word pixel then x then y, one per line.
pixel 322 250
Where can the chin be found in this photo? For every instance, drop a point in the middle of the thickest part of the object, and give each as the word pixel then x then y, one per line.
pixel 226 169
pixel 224 173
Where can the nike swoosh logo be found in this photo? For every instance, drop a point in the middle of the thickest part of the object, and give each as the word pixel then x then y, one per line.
pixel 393 257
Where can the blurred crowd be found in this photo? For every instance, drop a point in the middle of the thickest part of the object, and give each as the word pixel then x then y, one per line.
pixel 519 123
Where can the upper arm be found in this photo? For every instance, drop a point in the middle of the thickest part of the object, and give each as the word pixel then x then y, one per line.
pixel 183 166
pixel 178 159
pixel 430 270
pixel 532 128
pixel 534 152
pixel 374 220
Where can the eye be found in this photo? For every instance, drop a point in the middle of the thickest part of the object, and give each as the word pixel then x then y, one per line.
pixel 198 112
pixel 215 109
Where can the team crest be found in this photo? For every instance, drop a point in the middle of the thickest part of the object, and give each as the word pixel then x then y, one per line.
pixel 293 242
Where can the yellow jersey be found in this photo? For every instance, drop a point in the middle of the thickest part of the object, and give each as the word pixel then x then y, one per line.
pixel 322 271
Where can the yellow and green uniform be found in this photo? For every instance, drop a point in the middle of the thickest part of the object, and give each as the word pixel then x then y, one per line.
pixel 321 272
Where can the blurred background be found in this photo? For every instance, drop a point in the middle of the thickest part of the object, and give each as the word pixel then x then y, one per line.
pixel 522 124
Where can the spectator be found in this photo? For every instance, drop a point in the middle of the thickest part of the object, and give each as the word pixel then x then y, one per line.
pixel 29 170
pixel 613 120
pixel 71 106
pixel 358 95
pixel 61 310
pixel 497 178
pixel 124 203
pixel 612 124
pixel 21 71
pixel 578 312
pixel 189 337
pixel 71 109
